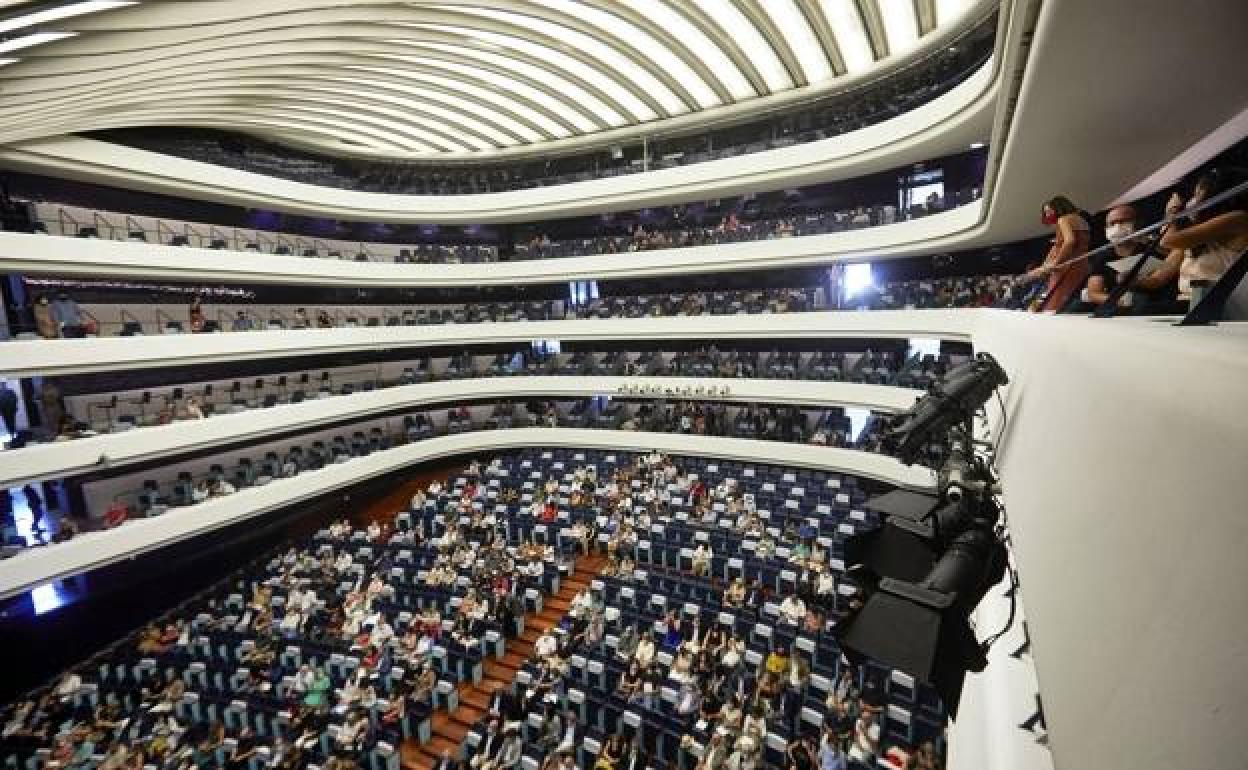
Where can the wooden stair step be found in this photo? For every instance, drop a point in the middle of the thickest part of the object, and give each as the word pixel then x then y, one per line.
pixel 436 745
pixel 455 730
pixel 476 698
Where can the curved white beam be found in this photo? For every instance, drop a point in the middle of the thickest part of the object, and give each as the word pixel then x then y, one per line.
pixel 944 125
pixel 97 549
pixel 627 67
pixel 112 450
pixel 26 358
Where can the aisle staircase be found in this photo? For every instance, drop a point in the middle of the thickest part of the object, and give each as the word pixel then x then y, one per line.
pixel 450 728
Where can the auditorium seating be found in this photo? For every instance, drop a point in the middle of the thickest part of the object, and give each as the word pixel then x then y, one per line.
pixel 795 506
pixel 236 652
pixel 155 493
pixel 135 318
pixel 119 407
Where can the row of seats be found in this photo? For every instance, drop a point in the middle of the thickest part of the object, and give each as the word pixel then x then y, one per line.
pixel 825 503
pixel 222 659
pixel 125 410
pixel 154 497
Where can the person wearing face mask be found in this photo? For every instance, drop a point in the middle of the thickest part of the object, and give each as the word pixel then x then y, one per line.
pixel 1063 268
pixel 1150 293
pixel 1204 245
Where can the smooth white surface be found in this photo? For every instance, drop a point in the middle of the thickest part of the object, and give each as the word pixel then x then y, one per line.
pixel 36 566
pixel 945 125
pixel 1123 467
pixel 60 459
pixel 999 699
pixel 27 253
pixel 57 357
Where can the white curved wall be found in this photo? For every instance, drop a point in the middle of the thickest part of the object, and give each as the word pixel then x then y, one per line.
pixel 61 459
pixel 944 125
pixel 26 253
pixel 24 358
pixel 96 549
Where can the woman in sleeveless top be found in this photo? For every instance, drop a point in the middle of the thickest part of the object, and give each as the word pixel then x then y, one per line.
pixel 1063 267
pixel 1206 244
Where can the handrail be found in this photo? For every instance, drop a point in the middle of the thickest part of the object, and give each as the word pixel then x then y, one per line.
pixel 163 229
pixel 1147 230
pixel 64 215
pixel 216 233
pixel 191 231
pixel 99 219
pixel 1156 226
pixel 134 226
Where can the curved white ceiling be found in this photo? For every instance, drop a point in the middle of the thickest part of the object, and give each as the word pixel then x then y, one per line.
pixel 445 78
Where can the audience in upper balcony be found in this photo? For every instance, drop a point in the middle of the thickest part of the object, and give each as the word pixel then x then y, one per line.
pixel 1205 244
pixel 1063 269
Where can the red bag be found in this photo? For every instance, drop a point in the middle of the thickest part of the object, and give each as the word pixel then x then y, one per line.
pixel 116 515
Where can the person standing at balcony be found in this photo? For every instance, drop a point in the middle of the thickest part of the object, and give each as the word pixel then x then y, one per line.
pixel 1063 267
pixel 196 314
pixel 45 324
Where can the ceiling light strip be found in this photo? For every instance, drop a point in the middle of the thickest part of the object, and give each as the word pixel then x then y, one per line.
pixel 610 62
pixel 31 40
pixel 901 26
pixel 556 84
pixel 696 42
pixel 641 41
pixel 800 39
pixel 515 107
pixel 751 41
pixel 61 12
pixel 851 36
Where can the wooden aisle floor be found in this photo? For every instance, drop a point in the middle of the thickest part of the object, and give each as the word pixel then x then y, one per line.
pixel 449 729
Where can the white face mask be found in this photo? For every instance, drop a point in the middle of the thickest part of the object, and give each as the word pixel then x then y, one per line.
pixel 1116 233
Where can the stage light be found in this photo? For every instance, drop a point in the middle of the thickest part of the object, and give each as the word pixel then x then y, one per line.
pixel 922 627
pixel 951 402
pixel 926 567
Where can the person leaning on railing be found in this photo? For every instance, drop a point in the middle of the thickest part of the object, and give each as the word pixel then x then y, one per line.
pixel 1064 272
pixel 1206 243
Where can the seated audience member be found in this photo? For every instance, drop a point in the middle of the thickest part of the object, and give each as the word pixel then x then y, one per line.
pixel 866 740
pixel 1062 269
pixel 1156 291
pixel 1205 244
pixel 792 610
pixel 193 409
pixel 67 315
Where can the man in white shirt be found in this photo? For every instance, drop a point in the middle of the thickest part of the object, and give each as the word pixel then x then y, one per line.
pixel 68 686
pixel 866 740
pixel 546 645
pixel 792 610
pixel 702 560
